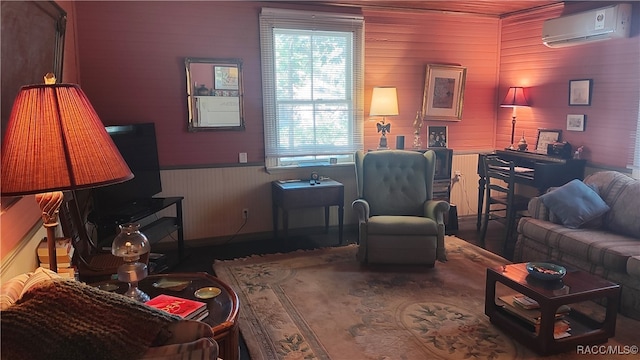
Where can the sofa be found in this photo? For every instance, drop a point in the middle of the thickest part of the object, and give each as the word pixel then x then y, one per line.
pixel 71 320
pixel 605 242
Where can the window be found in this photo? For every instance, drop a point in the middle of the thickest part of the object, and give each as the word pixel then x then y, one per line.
pixel 313 75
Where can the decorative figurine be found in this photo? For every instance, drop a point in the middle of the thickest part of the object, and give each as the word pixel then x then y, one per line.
pixel 417 126
pixel 522 144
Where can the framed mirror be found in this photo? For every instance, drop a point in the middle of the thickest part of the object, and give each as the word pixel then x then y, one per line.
pixel 214 94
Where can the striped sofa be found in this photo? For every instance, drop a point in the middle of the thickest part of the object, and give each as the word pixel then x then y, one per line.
pixel 608 247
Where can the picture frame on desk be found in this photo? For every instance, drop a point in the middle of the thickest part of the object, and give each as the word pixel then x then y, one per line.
pixel 437 136
pixel 546 137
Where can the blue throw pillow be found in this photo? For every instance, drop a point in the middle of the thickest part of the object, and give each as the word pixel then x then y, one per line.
pixel 575 203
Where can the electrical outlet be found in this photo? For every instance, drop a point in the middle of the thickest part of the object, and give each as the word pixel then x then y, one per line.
pixel 458 173
pixel 245 214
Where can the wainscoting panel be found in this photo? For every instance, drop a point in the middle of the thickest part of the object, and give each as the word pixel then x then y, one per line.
pixel 214 197
pixel 464 194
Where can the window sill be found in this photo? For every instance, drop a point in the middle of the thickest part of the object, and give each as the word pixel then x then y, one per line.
pixel 283 169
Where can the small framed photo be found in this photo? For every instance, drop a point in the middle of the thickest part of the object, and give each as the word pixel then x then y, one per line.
pixel 443 92
pixel 437 136
pixel 580 92
pixel 575 122
pixel 546 137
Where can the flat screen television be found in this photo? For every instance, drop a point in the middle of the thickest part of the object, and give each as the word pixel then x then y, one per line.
pixel 137 144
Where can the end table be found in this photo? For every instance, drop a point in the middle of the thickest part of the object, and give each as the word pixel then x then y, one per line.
pixel 223 309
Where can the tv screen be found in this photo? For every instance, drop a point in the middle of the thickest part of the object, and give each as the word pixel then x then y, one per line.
pixel 137 144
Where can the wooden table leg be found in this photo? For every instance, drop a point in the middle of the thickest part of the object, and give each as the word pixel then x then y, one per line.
pixel 326 219
pixel 340 222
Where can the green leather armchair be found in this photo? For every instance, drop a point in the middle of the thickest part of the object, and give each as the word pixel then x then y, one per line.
pixel 398 220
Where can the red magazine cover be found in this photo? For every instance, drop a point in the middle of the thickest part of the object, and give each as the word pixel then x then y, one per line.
pixel 184 308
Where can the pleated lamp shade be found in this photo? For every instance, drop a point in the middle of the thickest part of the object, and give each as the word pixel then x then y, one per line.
pixel 515 97
pixel 55 141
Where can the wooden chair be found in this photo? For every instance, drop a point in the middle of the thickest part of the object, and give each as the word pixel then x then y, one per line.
pixel 501 203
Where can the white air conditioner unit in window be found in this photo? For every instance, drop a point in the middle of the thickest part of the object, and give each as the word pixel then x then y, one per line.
pixel 606 23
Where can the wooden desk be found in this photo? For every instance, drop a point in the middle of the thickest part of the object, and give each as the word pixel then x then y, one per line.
pixel 223 309
pixel 301 194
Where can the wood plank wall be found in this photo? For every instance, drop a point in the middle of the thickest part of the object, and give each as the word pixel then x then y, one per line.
pixel 399 45
pixel 611 119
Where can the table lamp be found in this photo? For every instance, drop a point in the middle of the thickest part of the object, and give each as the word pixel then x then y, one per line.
pixel 384 102
pixel 515 98
pixel 54 142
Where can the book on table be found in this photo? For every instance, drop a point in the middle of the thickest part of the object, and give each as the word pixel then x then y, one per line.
pixel 515 305
pixel 66 258
pixel 63 247
pixel 185 308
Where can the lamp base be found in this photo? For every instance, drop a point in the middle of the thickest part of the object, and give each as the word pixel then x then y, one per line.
pixel 383 142
pixel 136 294
pixel 132 273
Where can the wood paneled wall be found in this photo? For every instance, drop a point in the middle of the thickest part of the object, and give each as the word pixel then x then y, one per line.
pixel 613 66
pixel 399 45
pixel 131 61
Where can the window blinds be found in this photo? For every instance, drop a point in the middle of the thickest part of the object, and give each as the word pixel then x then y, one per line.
pixel 313 78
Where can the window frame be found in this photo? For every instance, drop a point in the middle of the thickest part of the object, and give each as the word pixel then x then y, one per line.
pixel 292 20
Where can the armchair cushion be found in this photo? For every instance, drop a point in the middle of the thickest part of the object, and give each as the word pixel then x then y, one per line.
pixel 401 225
pixel 575 204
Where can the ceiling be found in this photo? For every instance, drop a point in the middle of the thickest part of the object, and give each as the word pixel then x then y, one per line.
pixel 498 8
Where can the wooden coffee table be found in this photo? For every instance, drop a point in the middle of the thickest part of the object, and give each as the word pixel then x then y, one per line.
pixel 223 309
pixel 576 286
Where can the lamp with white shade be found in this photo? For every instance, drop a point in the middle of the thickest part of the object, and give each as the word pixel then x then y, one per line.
pixel 384 102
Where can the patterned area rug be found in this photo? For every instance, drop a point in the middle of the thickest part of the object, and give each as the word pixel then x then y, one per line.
pixel 322 304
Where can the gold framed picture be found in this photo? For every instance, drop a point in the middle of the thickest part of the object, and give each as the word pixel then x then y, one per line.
pixel 443 92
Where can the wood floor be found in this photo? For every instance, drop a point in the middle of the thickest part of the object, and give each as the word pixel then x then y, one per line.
pixel 201 258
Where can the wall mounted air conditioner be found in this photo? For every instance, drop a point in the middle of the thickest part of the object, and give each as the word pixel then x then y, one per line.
pixel 606 23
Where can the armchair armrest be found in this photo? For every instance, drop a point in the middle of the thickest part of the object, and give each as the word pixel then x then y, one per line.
pixel 435 209
pixel 362 209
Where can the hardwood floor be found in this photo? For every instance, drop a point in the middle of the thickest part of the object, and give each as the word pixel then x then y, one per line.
pixel 200 259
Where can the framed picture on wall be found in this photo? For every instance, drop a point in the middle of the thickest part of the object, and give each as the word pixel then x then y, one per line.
pixel 443 92
pixel 225 77
pixel 575 122
pixel 580 92
pixel 437 136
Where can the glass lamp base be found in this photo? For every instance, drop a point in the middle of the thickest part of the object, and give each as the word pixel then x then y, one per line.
pixel 132 273
pixel 136 294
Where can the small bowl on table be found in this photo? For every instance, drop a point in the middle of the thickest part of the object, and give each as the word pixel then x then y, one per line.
pixel 546 271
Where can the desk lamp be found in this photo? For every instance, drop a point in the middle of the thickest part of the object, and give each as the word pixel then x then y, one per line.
pixel 515 98
pixel 54 142
pixel 384 102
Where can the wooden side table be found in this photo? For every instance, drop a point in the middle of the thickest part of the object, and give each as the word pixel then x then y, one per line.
pixel 223 309
pixel 575 287
pixel 302 194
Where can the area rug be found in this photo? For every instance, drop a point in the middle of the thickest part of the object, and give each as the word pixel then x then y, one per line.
pixel 323 304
